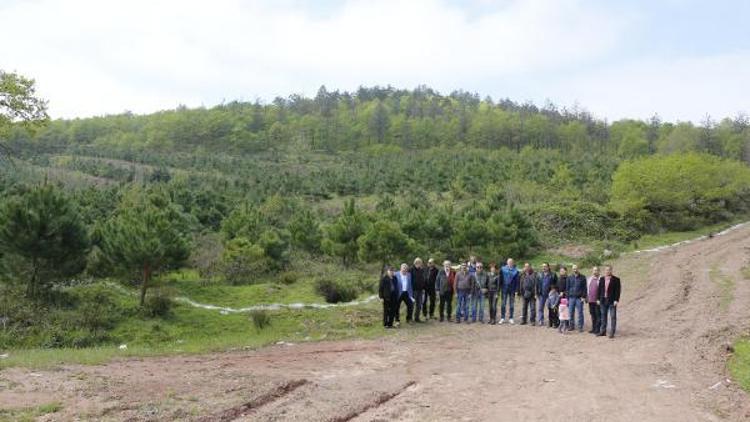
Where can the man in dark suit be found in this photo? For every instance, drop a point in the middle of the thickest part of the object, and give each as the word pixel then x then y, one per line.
pixel 608 298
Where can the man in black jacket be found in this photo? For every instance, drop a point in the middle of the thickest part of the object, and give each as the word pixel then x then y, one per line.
pixel 608 298
pixel 389 296
pixel 576 290
pixel 432 272
pixel 419 282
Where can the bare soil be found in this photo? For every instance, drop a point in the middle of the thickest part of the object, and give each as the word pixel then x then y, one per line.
pixel 667 363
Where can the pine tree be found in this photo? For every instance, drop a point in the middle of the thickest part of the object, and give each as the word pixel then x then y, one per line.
pixel 145 235
pixel 44 234
pixel 383 242
pixel 342 235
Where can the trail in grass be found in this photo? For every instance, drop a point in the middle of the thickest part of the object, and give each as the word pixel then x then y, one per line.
pixel 686 242
pixel 275 306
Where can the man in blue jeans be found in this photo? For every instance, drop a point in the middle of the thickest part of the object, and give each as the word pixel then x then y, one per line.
pixel 576 294
pixel 509 274
pixel 608 298
pixel 547 279
pixel 465 281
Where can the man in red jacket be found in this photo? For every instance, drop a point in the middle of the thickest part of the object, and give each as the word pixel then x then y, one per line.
pixel 608 297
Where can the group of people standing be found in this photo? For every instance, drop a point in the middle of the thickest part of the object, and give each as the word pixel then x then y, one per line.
pixel 561 294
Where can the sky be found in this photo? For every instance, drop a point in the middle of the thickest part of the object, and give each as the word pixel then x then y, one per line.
pixel 681 59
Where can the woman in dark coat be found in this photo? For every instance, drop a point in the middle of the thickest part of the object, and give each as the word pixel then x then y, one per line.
pixel 388 294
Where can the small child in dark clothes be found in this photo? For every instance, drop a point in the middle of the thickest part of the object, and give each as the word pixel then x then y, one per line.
pixel 553 302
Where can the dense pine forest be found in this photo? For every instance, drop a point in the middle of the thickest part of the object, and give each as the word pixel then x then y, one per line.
pixel 250 192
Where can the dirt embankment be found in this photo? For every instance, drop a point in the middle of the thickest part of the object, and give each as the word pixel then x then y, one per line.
pixel 666 364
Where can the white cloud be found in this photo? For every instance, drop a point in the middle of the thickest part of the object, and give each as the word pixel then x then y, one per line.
pixel 687 88
pixel 91 57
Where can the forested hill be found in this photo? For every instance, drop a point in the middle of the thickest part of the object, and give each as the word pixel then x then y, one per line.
pixel 446 175
pixel 374 117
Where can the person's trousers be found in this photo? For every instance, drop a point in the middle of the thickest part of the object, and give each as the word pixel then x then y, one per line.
pixel 564 326
pixel 492 302
pixel 418 302
pixel 529 310
pixel 608 309
pixel 387 314
pixel 446 302
pixel 462 307
pixel 596 317
pixel 554 319
pixel 477 304
pixel 429 303
pixel 540 305
pixel 507 297
pixel 576 307
pixel 404 297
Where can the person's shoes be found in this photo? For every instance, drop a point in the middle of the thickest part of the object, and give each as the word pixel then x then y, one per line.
pixel 502 321
pixel 533 324
pixel 611 336
pixel 601 334
pixel 523 323
pixel 511 322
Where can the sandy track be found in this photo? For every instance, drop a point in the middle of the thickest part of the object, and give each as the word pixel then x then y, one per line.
pixel 667 364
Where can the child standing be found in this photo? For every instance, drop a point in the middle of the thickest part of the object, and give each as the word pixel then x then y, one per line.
pixel 564 314
pixel 553 302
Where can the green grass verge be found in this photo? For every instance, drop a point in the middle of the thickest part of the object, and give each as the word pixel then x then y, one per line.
pixel 726 287
pixel 29 413
pixel 191 330
pixel 739 364
pixel 655 240
pixel 268 290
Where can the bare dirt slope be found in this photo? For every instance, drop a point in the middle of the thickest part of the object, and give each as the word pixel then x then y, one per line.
pixel 680 308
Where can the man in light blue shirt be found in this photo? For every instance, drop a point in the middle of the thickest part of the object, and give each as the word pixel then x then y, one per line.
pixel 406 293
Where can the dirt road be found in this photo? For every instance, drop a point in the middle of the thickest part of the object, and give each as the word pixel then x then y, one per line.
pixel 680 308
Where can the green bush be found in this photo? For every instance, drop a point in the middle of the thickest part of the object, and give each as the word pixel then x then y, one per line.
pixel 335 291
pixel 289 277
pixel 159 304
pixel 97 310
pixel 679 192
pixel 261 319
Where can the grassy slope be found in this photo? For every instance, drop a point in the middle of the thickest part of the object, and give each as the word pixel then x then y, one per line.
pixel 190 330
pixel 739 364
pixel 30 413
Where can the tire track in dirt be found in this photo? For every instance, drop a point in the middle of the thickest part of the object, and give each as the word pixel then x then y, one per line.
pixel 245 409
pixel 381 399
